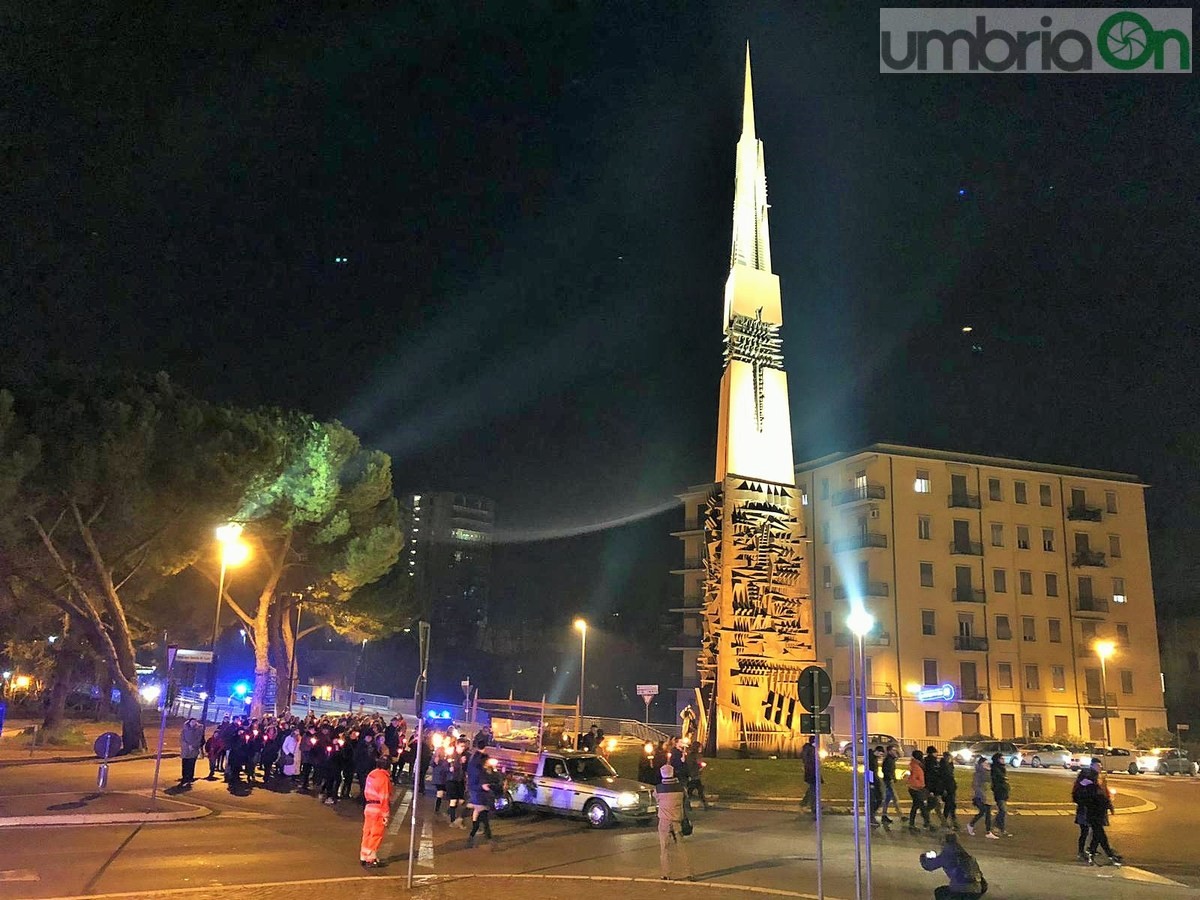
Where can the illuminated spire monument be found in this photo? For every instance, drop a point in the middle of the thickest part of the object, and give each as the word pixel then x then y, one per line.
pixel 757 619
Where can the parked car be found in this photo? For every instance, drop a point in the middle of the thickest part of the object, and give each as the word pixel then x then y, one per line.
pixel 1175 762
pixel 571 783
pixel 1039 755
pixel 988 749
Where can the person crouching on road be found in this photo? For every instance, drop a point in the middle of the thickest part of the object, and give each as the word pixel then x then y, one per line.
pixel 670 823
pixel 966 881
pixel 480 792
pixel 377 791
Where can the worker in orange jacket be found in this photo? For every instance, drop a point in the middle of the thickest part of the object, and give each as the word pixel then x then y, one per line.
pixel 377 790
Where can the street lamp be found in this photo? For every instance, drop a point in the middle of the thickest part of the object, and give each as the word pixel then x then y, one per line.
pixel 1104 649
pixel 860 622
pixel 234 552
pixel 581 627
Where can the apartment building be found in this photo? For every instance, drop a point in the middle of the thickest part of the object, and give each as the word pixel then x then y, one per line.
pixel 995 577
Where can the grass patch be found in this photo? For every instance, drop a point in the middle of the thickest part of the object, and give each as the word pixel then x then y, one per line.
pixel 748 779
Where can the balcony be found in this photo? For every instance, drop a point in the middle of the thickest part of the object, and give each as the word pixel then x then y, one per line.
pixel 875 689
pixel 860 541
pixel 968 595
pixel 963 501
pixel 1091 605
pixel 1098 699
pixel 860 492
pixel 970 642
pixel 872 589
pixel 874 639
pixel 1084 513
pixel 966 548
pixel 1088 558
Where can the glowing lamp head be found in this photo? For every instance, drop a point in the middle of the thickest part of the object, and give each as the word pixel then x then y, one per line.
pixel 1104 649
pixel 860 622
pixel 581 626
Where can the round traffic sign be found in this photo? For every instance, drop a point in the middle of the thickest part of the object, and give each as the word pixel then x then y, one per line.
pixel 108 744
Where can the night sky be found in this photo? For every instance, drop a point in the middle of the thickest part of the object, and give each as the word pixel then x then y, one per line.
pixel 534 212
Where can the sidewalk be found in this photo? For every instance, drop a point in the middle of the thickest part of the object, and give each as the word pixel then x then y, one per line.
pixel 76 808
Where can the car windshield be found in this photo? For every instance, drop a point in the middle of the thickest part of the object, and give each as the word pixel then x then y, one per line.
pixel 585 767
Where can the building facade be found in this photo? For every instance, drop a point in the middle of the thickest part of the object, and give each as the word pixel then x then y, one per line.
pixel 448 554
pixel 994 577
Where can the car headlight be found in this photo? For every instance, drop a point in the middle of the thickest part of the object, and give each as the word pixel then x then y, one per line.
pixel 627 798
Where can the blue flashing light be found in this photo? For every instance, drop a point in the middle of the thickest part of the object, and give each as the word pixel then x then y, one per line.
pixel 943 693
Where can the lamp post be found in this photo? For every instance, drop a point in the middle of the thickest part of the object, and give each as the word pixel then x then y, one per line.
pixel 233 552
pixel 581 627
pixel 1104 649
pixel 860 623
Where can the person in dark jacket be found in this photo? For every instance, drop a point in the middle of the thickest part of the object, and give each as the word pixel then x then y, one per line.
pixel 1097 804
pixel 949 786
pixel 1000 793
pixel 966 880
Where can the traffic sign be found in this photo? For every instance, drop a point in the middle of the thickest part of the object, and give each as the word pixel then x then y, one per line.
pixel 193 656
pixel 816 690
pixel 647 690
pixel 816 723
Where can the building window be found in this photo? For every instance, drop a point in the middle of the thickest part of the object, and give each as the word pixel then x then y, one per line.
pixel 922 484
pixel 1028 629
pixel 1122 634
pixel 994 489
pixel 827 576
pixel 926 574
pixel 999 581
pixel 1032 682
pixel 1044 495
pixel 1114 546
pixel 1048 540
pixel 1110 502
pixel 1019 492
pixel 1022 537
pixel 924 528
pixel 1004 676
pixel 1003 629
pixel 1126 681
pixel 1025 579
pixel 997 535
pixel 1051 584
pixel 1055 629
pixel 1058 678
pixel 828 621
pixel 824 488
pixel 928 622
pixel 1119 590
pixel 932 725
pixel 929 671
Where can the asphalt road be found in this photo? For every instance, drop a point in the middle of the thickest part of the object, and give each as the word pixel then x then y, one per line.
pixel 268 837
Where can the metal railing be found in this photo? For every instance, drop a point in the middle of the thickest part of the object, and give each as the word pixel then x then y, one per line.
pixel 860 541
pixel 868 491
pixel 970 642
pixel 1084 514
pixel 1091 604
pixel 963 501
pixel 966 548
pixel 872 589
pixel 1088 558
pixel 969 595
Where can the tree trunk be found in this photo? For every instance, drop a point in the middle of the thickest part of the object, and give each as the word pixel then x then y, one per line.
pixel 133 734
pixel 64 678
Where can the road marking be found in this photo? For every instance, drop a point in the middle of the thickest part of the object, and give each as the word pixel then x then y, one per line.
pixel 19 875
